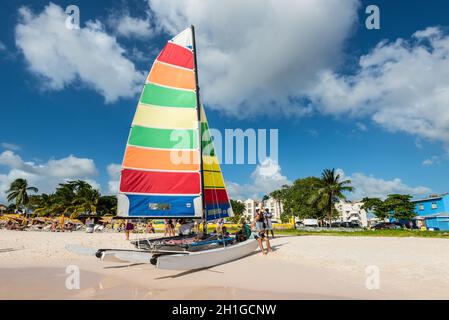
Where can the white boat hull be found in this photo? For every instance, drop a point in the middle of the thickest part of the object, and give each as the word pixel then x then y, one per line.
pixel 126 256
pixel 207 258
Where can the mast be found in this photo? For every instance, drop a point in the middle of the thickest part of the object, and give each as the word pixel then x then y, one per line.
pixel 200 145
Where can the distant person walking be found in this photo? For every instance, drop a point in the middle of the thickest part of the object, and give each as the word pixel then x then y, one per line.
pixel 269 225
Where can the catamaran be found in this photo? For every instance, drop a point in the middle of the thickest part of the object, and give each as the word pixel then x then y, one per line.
pixel 170 170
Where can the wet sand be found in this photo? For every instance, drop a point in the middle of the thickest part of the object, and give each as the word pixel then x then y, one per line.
pixel 33 266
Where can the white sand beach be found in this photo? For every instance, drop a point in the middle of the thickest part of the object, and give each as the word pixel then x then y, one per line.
pixel 33 266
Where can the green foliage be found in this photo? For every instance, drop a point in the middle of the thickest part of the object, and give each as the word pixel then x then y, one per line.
pixel 18 192
pixel 107 205
pixel 397 206
pixel 297 199
pixel 376 206
pixel 400 206
pixel 238 208
pixel 285 217
pixel 331 190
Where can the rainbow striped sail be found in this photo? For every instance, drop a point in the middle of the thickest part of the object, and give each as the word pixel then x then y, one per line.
pixel 162 173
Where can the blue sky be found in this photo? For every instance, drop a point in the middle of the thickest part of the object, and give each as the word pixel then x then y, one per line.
pixel 383 127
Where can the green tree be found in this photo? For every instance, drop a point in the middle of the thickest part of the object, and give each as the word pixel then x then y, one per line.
pixel 18 192
pixel 376 206
pixel 238 208
pixel 400 206
pixel 42 204
pixel 74 197
pixel 330 191
pixel 107 205
pixel 298 198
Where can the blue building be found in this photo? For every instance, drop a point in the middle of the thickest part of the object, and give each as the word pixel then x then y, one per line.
pixel 433 211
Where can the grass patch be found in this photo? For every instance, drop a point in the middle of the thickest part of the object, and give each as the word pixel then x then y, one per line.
pixel 367 233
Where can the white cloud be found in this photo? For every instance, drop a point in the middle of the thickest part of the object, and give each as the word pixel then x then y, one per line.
pixel 370 186
pixel 401 85
pixel 10 146
pixel 87 55
pixel 131 27
pixel 114 176
pixel 45 176
pixel 431 161
pixel 2 46
pixel 256 57
pixel 265 178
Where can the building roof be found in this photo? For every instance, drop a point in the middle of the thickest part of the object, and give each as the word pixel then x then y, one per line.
pixel 437 215
pixel 431 197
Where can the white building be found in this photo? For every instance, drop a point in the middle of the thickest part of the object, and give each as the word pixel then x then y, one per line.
pixel 252 205
pixel 351 212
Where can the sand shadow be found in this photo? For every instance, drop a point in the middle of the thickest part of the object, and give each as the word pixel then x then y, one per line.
pixel 8 250
pixel 186 273
pixel 124 266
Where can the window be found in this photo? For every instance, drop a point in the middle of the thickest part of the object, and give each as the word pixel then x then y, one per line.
pixel 159 206
pixel 421 207
pixel 434 205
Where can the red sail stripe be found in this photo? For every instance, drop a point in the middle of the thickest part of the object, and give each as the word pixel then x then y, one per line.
pixel 212 196
pixel 159 182
pixel 176 55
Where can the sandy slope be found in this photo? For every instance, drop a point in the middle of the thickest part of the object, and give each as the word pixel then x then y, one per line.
pixel 33 265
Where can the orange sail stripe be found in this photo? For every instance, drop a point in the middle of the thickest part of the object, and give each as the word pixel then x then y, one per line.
pixel 170 76
pixel 141 158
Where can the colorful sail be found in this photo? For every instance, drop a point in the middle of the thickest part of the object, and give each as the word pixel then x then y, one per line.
pixel 215 195
pixel 161 174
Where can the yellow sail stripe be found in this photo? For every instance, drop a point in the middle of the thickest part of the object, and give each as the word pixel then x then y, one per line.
pixel 210 163
pixel 213 179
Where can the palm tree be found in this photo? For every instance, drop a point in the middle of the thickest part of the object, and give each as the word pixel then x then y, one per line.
pixel 18 192
pixel 331 190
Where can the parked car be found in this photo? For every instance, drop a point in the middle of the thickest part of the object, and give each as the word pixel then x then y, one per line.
pixel 350 224
pixel 310 222
pixel 385 225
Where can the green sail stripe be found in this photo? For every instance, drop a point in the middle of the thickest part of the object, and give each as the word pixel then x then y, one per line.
pixel 167 97
pixel 206 140
pixel 163 138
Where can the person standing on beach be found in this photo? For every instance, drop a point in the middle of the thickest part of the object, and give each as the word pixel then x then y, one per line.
pixel 260 223
pixel 128 228
pixel 150 228
pixel 269 225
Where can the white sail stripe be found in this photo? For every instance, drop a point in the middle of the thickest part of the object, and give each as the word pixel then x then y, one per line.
pixel 176 44
pixel 169 128
pixel 154 148
pixel 156 106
